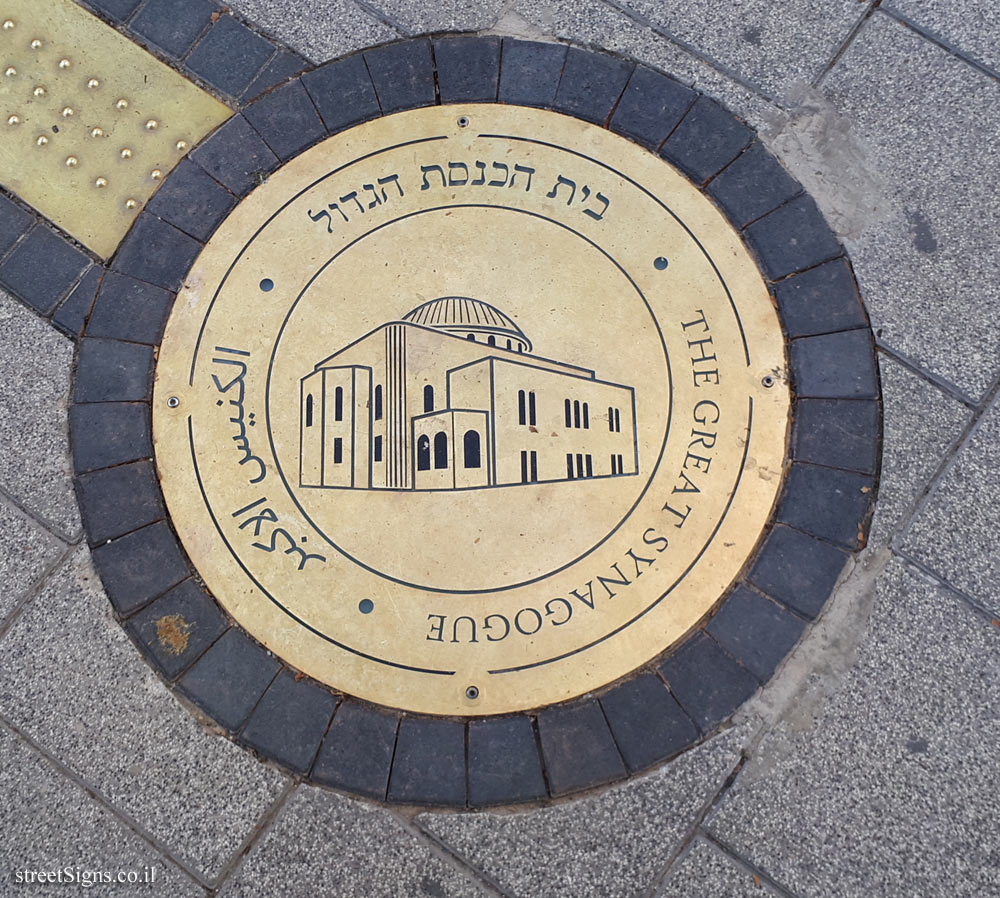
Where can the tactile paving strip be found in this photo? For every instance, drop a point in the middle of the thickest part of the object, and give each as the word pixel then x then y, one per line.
pixel 91 122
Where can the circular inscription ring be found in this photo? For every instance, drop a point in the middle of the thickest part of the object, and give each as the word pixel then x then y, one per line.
pixel 474 413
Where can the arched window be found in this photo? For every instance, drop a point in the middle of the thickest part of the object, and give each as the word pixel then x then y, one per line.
pixel 586 415
pixel 428 398
pixel 521 412
pixel 471 337
pixel 576 412
pixel 378 402
pixel 471 441
pixel 611 419
pixel 309 410
pixel 338 404
pixel 424 453
pixel 531 408
pixel 566 408
pixel 510 345
pixel 440 449
pixel 492 340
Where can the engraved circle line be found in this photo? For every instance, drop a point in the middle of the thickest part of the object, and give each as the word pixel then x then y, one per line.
pixel 607 536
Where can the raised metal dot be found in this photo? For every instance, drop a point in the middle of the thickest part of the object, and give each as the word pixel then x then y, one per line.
pixel 181 145
pixel 39 90
pixel 41 140
pixel 121 103
pixel 14 120
pixel 36 44
pixel 131 203
pixel 8 25
pixel 156 174
pixel 67 111
pixel 10 71
pixel 71 161
pixel 101 182
pixel 64 63
pixel 126 153
pixel 152 124
pixel 97 132
pixel 93 83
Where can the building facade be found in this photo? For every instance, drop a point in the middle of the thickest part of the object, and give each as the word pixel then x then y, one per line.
pixel 451 397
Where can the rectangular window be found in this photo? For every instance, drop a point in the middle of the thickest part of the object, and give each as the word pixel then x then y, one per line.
pixel 338 404
pixel 338 451
pixel 569 463
pixel 534 466
pixel 377 454
pixel 621 467
pixel 520 407
pixel 531 409
pixel 611 419
pixel 614 464
pixel 524 466
pixel 586 416
pixel 566 407
pixel 579 464
pixel 590 466
pixel 618 421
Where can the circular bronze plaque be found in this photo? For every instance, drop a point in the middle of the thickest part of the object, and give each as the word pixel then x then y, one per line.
pixel 471 409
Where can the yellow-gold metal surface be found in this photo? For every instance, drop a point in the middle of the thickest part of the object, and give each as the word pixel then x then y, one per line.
pixel 477 396
pixel 77 89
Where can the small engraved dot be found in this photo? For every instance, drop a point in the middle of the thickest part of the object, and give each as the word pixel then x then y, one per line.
pixel 267 285
pixel 366 606
pixel 64 63
pixel 101 182
pixel 126 153
pixel 10 71
pixel 36 44
pixel 660 263
pixel 121 103
pixel 41 140
pixel 181 145
pixel 67 111
pixel 71 161
pixel 8 25
pixel 14 120
pixel 152 124
pixel 130 203
pixel 156 174
pixel 39 90
pixel 93 83
pixel 97 132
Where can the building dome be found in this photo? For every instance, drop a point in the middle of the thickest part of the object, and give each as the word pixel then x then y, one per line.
pixel 471 319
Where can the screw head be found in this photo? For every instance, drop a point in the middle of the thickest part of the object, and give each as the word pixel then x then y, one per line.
pixel 767 380
pixel 463 122
pixel 173 402
pixel 472 693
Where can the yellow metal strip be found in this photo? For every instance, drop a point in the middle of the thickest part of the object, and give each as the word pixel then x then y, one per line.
pixel 91 122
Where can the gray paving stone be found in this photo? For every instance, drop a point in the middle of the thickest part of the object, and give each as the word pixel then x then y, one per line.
pixel 703 871
pixel 769 50
pixel 72 680
pixel 921 423
pixel 599 25
pixel 611 844
pixel 929 271
pixel 971 26
pixel 318 29
pixel 955 533
pixel 25 551
pixel 324 844
pixel 419 16
pixel 51 824
pixel 886 786
pixel 34 454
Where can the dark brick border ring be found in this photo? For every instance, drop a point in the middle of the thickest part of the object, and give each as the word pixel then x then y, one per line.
pixel 650 716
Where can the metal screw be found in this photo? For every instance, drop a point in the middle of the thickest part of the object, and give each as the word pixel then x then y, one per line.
pixel 463 122
pixel 767 380
pixel 472 693
pixel 173 402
